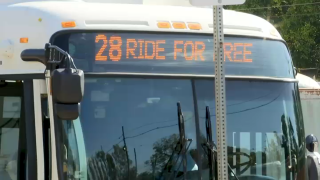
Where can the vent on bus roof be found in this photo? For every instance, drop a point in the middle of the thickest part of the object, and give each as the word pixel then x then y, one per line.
pixel 239 27
pixel 116 22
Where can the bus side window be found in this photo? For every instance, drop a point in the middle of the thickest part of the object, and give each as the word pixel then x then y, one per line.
pixel 12 132
pixel 9 136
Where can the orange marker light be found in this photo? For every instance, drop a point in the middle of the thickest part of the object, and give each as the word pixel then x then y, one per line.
pixel 164 25
pixel 24 40
pixel 179 25
pixel 194 26
pixel 68 24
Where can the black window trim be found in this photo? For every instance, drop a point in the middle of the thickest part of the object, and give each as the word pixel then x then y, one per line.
pixel 30 134
pixel 186 76
pixel 23 77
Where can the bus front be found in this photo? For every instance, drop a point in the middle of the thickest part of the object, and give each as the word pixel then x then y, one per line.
pixel 130 126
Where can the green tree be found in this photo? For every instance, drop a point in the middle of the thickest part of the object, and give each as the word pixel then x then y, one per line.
pixel 113 166
pixel 121 162
pixel 300 29
pixel 145 176
pixel 163 150
pixel 297 24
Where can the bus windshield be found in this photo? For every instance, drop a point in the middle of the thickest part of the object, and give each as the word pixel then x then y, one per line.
pixel 128 128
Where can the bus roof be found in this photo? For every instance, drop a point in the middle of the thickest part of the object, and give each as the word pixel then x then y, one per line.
pixel 29 24
pixel 88 15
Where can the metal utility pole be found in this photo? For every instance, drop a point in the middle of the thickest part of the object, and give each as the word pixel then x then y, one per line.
pixel 220 87
pixel 220 91
pixel 135 158
pixel 220 95
pixel 126 149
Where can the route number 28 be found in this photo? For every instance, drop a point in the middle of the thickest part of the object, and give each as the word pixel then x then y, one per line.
pixel 115 51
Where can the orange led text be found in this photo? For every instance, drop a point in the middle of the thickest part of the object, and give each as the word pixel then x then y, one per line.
pixel 115 48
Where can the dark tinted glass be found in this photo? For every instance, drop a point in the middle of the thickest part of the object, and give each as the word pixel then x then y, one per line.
pixel 174 54
pixel 9 136
pixel 264 127
pixel 12 131
pixel 128 129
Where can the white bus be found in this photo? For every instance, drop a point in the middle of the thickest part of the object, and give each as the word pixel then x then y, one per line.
pixel 140 61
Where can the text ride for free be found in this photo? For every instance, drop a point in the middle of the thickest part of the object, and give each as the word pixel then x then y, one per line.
pixel 147 49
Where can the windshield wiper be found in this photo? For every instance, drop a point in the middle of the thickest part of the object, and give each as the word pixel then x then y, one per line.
pixel 181 148
pixel 212 150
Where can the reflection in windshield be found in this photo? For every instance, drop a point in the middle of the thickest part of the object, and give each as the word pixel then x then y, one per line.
pixel 131 129
pixel 262 117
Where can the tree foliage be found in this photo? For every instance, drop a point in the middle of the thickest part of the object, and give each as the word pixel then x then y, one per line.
pixel 296 20
pixel 114 166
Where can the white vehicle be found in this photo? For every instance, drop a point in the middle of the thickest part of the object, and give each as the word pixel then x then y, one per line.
pixel 310 102
pixel 145 66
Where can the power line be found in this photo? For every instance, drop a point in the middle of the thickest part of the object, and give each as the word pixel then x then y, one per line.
pixel 242 102
pixel 300 4
pixel 267 7
pixel 162 127
pixel 249 109
pixel 145 132
pixel 294 15
pixel 256 106
pixel 114 145
pixel 122 140
pixel 148 130
pixel 151 130
pixel 190 118
pixel 148 124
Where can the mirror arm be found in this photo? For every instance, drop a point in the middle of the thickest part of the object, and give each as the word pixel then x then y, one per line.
pixel 42 55
pixel 34 55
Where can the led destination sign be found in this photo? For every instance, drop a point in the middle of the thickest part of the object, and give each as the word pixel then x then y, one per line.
pixel 162 49
pixel 175 54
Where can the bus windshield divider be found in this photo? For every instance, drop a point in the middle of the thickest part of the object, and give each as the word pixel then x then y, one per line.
pixel 211 150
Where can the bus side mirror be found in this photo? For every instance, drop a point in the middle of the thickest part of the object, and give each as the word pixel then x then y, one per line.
pixel 67 85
